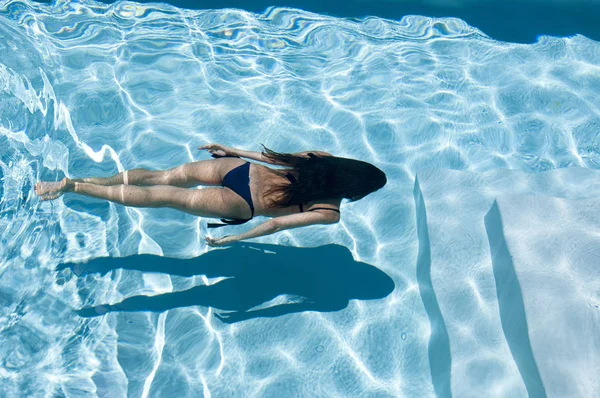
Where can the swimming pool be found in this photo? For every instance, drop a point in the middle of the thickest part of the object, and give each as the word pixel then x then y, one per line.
pixel 472 273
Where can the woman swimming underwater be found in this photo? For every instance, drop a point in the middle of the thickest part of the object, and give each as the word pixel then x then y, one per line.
pixel 307 191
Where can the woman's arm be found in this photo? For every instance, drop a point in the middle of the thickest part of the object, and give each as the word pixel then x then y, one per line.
pixel 261 158
pixel 225 150
pixel 279 224
pixel 252 155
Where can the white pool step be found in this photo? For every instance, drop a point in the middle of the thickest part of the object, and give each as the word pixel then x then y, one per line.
pixel 488 356
pixel 554 252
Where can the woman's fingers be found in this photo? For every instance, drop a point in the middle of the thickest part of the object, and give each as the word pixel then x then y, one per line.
pixel 209 241
pixel 219 241
pixel 217 149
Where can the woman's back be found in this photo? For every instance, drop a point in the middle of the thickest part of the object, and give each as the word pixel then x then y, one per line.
pixel 264 179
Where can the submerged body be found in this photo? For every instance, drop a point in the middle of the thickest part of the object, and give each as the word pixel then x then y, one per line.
pixel 171 188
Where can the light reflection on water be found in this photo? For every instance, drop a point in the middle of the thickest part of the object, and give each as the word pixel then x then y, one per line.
pixel 90 89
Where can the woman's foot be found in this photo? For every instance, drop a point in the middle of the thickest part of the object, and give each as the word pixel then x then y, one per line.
pixel 50 190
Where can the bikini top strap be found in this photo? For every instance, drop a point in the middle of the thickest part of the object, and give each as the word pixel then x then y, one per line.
pixel 293 180
pixel 324 208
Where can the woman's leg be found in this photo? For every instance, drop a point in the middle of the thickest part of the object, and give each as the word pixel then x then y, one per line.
pixel 205 172
pixel 208 202
pixel 142 177
pixel 52 189
pixel 130 195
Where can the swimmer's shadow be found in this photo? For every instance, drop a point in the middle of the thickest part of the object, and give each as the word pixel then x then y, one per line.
pixel 262 281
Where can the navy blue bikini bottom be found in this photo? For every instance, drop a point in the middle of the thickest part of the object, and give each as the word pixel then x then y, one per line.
pixel 238 180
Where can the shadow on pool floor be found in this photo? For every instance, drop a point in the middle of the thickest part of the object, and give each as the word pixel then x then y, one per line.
pixel 325 278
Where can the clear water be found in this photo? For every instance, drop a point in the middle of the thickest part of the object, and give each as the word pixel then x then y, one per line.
pixel 517 21
pixel 92 89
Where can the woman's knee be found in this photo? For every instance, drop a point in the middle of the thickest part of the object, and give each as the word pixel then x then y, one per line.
pixel 176 176
pixel 145 177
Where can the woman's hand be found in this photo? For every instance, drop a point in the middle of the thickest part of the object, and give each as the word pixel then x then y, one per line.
pixel 225 240
pixel 218 149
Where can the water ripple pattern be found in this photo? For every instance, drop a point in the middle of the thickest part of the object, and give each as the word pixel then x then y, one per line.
pixel 92 89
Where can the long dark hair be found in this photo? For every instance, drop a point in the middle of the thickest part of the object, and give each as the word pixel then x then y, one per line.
pixel 323 177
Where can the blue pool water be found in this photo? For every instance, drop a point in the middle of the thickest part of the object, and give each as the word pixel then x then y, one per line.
pixel 472 273
pixel 520 21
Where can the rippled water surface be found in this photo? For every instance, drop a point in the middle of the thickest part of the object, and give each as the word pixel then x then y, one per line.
pixel 90 89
